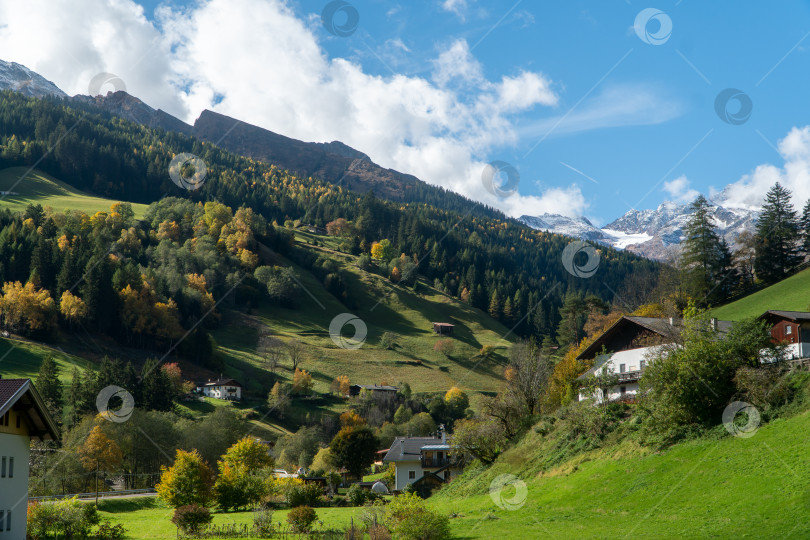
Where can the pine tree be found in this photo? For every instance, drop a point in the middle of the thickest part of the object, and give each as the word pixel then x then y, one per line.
pixel 705 256
pixel 805 225
pixel 49 386
pixel 495 305
pixel 777 246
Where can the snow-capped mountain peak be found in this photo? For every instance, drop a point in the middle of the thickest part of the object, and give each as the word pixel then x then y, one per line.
pixel 656 234
pixel 14 76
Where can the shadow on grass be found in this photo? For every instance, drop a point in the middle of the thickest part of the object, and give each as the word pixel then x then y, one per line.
pixel 119 506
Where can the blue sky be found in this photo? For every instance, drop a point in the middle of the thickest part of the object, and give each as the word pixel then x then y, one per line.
pixel 628 117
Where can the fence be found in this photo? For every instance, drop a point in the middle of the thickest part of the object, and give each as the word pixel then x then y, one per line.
pixel 92 495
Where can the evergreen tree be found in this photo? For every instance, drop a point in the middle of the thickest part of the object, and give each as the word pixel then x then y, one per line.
pixel 574 313
pixel 777 246
pixel 156 388
pixel 705 257
pixel 49 387
pixel 805 225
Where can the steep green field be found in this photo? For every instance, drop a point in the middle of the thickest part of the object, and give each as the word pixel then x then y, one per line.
pixel 719 486
pixel 791 294
pixel 40 188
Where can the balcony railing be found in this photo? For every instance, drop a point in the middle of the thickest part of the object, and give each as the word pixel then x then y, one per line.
pixel 629 376
pixel 435 462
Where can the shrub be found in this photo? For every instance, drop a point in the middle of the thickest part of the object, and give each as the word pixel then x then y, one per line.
pixel 356 495
pixel 408 517
pixel 263 521
pixel 191 518
pixel 111 532
pixel 305 495
pixel 378 532
pixel 68 518
pixel 388 340
pixel 301 518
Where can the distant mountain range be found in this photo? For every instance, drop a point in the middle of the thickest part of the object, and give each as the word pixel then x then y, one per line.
pixel 655 234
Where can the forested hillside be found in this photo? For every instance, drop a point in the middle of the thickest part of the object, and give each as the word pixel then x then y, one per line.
pixel 481 257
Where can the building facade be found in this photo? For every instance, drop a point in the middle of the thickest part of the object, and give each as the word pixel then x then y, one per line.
pixel 23 416
pixel 228 389
pixel 418 457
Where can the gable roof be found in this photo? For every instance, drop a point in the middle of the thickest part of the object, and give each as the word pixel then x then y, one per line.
pixel 409 448
pixel 667 328
pixel 377 387
pixel 21 395
pixel 795 316
pixel 222 382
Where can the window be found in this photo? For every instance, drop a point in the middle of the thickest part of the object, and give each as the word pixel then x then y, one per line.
pixel 11 467
pixel 642 364
pixel 8 520
pixel 2 516
pixel 788 329
pixel 411 475
pixel 623 390
pixel 3 469
pixel 622 368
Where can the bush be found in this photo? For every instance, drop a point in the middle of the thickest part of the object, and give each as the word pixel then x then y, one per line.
pixel 388 340
pixel 408 517
pixel 68 518
pixel 191 518
pixel 305 495
pixel 111 532
pixel 301 518
pixel 356 496
pixel 378 532
pixel 263 521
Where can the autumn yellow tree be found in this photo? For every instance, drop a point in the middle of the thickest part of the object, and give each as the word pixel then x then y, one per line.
pixel 99 453
pixel 188 481
pixel 351 418
pixel 302 381
pixel 72 308
pixel 382 250
pixel 340 385
pixel 27 308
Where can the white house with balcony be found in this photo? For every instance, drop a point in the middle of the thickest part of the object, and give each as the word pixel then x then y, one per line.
pixel 623 351
pixel 23 416
pixel 426 461
pixel 227 389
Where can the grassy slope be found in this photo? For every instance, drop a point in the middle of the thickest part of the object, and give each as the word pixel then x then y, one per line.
pixel 40 188
pixel 383 306
pixel 791 294
pixel 719 486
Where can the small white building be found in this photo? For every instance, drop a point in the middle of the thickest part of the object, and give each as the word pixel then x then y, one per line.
pixel 23 415
pixel 227 389
pixel 427 460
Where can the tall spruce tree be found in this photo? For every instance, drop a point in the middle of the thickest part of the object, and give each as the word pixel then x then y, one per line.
pixel 49 386
pixel 805 225
pixel 778 239
pixel 705 257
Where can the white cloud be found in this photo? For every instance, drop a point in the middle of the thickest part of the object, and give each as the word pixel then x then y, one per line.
pixel 749 191
pixel 679 190
pixel 616 106
pixel 459 7
pixel 257 60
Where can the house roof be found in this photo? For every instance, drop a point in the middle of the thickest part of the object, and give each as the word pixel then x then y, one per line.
pixel 443 324
pixel 222 382
pixel 790 315
pixel 409 448
pixel 668 328
pixel 377 387
pixel 21 394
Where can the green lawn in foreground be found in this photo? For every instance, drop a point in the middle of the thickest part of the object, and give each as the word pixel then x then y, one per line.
pixel 148 518
pixel 40 188
pixel 723 488
pixel 792 294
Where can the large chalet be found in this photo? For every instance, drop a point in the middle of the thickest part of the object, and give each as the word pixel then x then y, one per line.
pixel 622 351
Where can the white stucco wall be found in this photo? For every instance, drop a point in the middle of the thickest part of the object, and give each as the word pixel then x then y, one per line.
pixel 403 467
pixel 14 490
pixel 222 392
